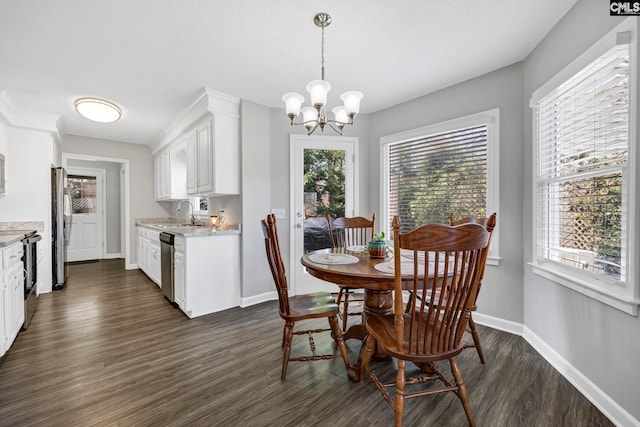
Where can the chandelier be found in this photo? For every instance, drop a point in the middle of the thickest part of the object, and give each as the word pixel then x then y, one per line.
pixel 316 117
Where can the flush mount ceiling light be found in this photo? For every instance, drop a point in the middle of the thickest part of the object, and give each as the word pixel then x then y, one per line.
pixel 314 117
pixel 98 110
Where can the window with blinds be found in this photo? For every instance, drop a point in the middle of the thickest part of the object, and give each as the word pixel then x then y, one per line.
pixel 438 175
pixel 446 168
pixel 582 178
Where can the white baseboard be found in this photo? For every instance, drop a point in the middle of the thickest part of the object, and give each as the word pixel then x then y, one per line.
pixel 617 414
pixel 497 323
pixel 112 256
pixel 133 266
pixel 612 410
pixel 257 299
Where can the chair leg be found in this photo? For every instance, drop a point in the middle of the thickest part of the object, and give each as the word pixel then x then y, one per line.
pixel 462 391
pixel 345 311
pixel 476 338
pixel 339 296
pixel 333 322
pixel 366 352
pixel 399 403
pixel 288 337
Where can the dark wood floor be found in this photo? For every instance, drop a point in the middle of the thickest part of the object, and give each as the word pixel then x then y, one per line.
pixel 110 350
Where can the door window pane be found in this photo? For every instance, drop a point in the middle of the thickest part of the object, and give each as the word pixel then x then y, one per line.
pixel 83 193
pixel 324 193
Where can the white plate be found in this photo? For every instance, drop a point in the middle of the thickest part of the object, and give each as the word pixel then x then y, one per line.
pixel 357 248
pixel 333 258
pixel 388 267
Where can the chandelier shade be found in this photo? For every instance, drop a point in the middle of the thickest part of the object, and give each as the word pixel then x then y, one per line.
pixel 315 117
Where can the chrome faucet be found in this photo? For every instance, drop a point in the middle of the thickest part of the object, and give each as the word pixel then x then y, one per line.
pixel 193 218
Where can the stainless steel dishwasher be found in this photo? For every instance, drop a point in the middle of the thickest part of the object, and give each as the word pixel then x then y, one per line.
pixel 166 265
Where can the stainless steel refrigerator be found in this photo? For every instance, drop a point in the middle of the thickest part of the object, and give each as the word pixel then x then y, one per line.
pixel 60 225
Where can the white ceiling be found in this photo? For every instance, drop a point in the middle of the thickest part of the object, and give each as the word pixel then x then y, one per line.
pixel 154 57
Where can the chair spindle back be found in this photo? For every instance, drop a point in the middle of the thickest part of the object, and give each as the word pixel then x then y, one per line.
pixel 451 261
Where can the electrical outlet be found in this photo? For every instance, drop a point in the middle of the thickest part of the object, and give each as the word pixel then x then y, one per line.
pixel 279 213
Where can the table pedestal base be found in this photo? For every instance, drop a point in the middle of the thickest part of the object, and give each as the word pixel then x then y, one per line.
pixel 375 302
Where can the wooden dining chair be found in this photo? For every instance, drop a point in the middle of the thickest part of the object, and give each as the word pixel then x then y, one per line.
pixel 489 223
pixel 300 307
pixel 430 332
pixel 347 232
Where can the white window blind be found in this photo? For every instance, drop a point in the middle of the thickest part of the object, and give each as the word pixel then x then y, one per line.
pixel 582 177
pixel 432 176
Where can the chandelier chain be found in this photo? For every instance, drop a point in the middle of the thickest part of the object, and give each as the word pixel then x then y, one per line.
pixel 322 52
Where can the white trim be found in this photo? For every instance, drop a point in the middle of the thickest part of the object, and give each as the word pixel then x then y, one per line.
pixel 112 256
pixel 258 299
pixel 601 400
pixel 328 142
pixel 127 199
pixel 628 299
pixel 497 323
pixel 585 58
pixel 600 293
pixel 609 407
pixel 489 117
pixel 133 266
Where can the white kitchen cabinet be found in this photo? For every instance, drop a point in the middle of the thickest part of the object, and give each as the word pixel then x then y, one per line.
pixel 170 171
pixel 211 274
pixel 162 175
pixel 192 162
pixel 11 295
pixel 213 157
pixel 205 154
pixel 154 261
pixel 178 272
pixel 148 246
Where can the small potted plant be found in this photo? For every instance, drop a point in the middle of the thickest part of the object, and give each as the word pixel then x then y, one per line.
pixel 377 247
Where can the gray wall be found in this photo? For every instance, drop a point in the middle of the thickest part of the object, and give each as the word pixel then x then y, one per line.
pixel 502 294
pixel 141 195
pixel 256 199
pixel 601 342
pixel 112 200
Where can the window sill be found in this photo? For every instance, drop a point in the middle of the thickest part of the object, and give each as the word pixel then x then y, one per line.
pixel 614 300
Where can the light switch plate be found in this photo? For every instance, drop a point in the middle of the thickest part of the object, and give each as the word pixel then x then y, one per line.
pixel 279 213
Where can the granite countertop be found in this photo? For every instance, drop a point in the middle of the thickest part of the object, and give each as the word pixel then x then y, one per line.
pixel 177 227
pixel 9 239
pixel 12 232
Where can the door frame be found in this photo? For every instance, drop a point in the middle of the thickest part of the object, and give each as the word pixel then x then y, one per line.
pixel 124 198
pixel 308 141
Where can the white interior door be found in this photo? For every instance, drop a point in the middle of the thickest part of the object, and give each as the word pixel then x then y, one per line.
pixel 323 182
pixel 87 192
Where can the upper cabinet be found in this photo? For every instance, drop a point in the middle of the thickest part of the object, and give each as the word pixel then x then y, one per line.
pixel 205 155
pixel 162 175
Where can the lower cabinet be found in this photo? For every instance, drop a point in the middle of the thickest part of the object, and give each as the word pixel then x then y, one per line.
pixel 207 274
pixel 148 246
pixel 178 273
pixel 11 294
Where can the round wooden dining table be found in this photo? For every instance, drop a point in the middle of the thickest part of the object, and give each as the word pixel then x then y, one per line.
pixel 378 287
